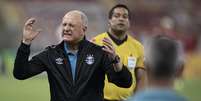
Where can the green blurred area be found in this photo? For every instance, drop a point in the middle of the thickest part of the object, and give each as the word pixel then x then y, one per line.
pixel 37 89
pixel 191 89
pixel 11 89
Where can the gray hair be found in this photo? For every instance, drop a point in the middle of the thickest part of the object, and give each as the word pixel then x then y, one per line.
pixel 84 18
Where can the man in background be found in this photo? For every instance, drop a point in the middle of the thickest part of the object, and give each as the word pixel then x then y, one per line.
pixel 164 62
pixel 129 50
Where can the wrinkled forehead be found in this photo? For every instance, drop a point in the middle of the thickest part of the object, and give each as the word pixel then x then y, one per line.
pixel 73 17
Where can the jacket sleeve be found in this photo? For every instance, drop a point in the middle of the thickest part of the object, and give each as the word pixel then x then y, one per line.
pixel 25 68
pixel 122 78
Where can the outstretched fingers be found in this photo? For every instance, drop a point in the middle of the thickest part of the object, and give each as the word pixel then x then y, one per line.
pixel 29 23
pixel 108 47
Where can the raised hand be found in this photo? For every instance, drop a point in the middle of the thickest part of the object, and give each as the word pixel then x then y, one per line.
pixel 28 32
pixel 108 47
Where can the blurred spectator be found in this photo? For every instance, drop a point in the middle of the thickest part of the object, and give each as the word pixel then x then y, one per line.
pixel 164 63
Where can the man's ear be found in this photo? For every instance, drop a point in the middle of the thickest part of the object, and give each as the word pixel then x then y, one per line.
pixel 109 22
pixel 85 28
pixel 180 70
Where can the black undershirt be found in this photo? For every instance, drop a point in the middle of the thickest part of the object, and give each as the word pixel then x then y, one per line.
pixel 117 41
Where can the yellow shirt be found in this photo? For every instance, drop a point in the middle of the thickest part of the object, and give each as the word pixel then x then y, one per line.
pixel 132 55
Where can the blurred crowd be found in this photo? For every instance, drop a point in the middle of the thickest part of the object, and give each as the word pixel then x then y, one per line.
pixel 179 19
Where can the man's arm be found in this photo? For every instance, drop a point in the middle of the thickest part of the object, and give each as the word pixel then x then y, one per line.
pixel 23 68
pixel 117 72
pixel 121 78
pixel 140 71
pixel 140 78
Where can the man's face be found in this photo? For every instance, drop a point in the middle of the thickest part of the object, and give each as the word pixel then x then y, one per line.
pixel 120 20
pixel 73 29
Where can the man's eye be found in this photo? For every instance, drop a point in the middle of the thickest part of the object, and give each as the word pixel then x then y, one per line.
pixel 125 16
pixel 116 16
pixel 71 25
pixel 64 24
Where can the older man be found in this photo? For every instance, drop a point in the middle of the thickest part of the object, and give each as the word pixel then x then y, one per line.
pixel 76 68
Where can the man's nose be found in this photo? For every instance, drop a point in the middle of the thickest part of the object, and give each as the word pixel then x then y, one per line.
pixel 66 28
pixel 121 18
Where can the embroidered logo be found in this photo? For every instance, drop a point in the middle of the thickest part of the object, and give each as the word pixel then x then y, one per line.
pixel 89 59
pixel 59 61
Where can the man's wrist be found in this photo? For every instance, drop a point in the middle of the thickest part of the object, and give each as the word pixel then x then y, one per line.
pixel 118 66
pixel 27 42
pixel 116 59
pixel 117 63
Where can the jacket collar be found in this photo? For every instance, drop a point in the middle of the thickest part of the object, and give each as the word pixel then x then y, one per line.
pixel 80 47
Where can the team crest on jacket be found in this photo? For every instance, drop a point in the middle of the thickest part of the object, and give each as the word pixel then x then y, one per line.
pixel 59 61
pixel 89 59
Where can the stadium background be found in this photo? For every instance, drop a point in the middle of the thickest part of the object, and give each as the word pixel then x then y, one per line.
pixel 180 19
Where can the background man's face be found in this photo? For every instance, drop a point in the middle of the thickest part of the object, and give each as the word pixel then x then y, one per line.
pixel 72 27
pixel 120 20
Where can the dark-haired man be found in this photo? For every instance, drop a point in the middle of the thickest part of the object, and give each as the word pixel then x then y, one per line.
pixel 129 50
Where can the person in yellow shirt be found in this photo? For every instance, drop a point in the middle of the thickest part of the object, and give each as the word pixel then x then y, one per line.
pixel 129 49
